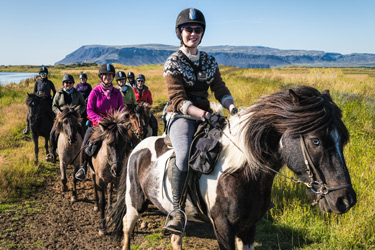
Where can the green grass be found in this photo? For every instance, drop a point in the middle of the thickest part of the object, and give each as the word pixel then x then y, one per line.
pixel 293 223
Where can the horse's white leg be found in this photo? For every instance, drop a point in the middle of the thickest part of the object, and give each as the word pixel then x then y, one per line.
pixel 176 241
pixel 129 221
pixel 241 246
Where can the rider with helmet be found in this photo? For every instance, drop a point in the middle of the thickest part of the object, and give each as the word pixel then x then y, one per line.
pixel 126 90
pixel 85 88
pixel 102 100
pixel 141 91
pixel 188 74
pixel 68 95
pixel 131 80
pixel 43 88
pixel 143 94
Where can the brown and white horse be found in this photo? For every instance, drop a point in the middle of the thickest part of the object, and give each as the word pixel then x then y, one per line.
pixel 68 125
pixel 301 128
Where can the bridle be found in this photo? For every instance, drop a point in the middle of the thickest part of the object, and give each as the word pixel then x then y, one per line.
pixel 322 190
pixel 134 130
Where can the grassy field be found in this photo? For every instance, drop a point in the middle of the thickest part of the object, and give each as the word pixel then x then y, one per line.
pixel 293 223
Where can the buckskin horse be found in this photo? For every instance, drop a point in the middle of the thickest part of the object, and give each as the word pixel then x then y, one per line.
pixel 108 163
pixel 40 118
pixel 68 125
pixel 300 127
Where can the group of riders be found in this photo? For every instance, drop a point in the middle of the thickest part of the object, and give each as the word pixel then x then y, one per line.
pixel 188 74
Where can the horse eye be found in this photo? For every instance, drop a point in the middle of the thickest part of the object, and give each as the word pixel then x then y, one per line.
pixel 127 116
pixel 315 141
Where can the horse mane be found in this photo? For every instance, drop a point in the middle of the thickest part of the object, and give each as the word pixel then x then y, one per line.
pixel 68 110
pixel 112 127
pixel 299 110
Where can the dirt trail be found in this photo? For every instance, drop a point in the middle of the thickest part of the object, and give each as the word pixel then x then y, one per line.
pixel 48 220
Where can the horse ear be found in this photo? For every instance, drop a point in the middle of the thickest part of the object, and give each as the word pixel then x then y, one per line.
pixel 77 108
pixel 326 92
pixel 295 98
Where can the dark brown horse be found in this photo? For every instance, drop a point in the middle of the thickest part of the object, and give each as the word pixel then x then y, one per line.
pixel 301 128
pixel 137 117
pixel 109 161
pixel 40 118
pixel 68 125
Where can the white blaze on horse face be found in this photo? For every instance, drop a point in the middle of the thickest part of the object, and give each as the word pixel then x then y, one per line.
pixel 336 139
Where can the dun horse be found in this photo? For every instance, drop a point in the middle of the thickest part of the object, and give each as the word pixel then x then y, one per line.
pixel 301 128
pixel 108 163
pixel 68 126
pixel 40 118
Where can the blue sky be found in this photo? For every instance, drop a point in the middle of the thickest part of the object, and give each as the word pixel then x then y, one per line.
pixel 45 31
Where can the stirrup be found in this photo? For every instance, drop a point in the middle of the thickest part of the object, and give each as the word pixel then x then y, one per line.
pixel 77 175
pixel 51 158
pixel 169 215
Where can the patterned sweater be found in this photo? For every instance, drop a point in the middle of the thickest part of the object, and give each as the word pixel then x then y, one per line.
pixel 184 86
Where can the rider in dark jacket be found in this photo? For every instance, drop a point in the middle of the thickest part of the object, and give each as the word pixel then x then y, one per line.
pixel 43 88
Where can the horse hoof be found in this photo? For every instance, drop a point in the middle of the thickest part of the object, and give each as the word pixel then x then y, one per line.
pixel 101 232
pixel 73 199
pixel 96 209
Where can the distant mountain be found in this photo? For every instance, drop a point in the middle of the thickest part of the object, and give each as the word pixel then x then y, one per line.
pixel 238 56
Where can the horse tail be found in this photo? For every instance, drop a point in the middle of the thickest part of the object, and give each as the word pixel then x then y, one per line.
pixel 118 212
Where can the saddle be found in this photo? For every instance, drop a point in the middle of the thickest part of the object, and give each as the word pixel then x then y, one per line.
pixel 204 153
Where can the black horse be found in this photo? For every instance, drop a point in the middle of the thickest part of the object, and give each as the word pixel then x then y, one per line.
pixel 40 118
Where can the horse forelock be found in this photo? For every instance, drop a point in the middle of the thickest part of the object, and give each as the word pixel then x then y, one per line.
pixel 260 126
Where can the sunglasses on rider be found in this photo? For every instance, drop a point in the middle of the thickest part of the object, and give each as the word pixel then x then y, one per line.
pixel 43 73
pixel 189 30
pixel 67 82
pixel 140 81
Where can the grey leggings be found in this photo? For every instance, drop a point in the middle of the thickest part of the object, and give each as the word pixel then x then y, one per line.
pixel 181 131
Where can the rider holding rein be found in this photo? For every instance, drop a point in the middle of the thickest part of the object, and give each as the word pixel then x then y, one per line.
pixel 68 95
pixel 43 88
pixel 188 74
pixel 126 89
pixel 103 99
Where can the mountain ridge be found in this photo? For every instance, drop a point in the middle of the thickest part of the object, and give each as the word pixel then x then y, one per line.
pixel 237 56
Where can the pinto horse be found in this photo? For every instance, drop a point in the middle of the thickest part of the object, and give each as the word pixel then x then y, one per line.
pixel 301 128
pixel 108 163
pixel 68 126
pixel 40 118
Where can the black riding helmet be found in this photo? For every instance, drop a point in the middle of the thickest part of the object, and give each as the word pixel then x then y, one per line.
pixel 106 68
pixel 120 75
pixel 83 75
pixel 141 77
pixel 68 77
pixel 43 69
pixel 190 16
pixel 130 74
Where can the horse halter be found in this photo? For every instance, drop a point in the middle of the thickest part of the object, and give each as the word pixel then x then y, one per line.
pixel 323 189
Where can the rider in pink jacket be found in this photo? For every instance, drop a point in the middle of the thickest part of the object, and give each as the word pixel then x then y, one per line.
pixel 102 100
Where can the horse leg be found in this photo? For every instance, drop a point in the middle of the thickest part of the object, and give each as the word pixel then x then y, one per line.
pixel 36 146
pixel 102 201
pixel 74 190
pixel 176 241
pixel 129 221
pixel 224 233
pixel 63 176
pixel 96 207
pixel 46 144
pixel 109 194
pixel 245 240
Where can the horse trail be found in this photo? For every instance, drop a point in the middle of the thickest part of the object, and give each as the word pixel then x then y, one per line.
pixel 48 220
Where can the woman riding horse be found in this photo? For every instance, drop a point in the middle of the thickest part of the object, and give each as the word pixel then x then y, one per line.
pixel 68 95
pixel 103 99
pixel 188 74
pixel 126 90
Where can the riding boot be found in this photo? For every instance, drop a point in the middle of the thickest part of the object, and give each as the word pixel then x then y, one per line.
pixel 177 223
pixel 81 173
pixel 51 157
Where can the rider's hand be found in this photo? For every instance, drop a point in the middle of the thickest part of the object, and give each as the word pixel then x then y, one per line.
pixel 234 111
pixel 216 121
